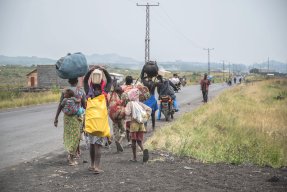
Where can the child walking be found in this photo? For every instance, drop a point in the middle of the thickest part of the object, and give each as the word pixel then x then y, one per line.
pixel 137 129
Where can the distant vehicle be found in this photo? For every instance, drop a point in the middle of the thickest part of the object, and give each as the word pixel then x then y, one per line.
pixel 119 77
pixel 182 81
pixel 210 77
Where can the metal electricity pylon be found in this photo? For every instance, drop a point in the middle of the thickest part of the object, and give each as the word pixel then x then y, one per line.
pixel 147 34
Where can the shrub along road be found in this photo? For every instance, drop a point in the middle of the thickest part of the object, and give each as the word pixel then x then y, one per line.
pixel 33 160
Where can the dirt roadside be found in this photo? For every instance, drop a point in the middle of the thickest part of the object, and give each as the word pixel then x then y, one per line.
pixel 164 172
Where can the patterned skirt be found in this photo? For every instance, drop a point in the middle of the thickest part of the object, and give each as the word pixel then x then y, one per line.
pixel 71 133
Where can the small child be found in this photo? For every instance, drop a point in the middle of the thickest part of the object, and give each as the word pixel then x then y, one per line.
pixel 137 129
pixel 71 105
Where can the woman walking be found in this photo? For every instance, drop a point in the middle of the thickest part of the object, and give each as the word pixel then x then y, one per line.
pixel 72 125
pixel 96 115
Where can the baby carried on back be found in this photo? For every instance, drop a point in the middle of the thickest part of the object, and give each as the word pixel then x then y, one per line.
pixel 71 104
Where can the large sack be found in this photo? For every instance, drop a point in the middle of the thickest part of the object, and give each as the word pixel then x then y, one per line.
pixel 143 92
pixel 138 112
pixel 116 107
pixel 96 120
pixel 151 69
pixel 72 66
pixel 130 95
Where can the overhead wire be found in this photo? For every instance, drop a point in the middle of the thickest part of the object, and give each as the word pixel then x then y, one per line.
pixel 176 28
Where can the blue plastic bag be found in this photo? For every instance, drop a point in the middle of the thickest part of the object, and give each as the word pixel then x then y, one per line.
pixel 72 66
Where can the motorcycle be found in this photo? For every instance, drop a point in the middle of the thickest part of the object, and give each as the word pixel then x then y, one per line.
pixel 177 85
pixel 183 81
pixel 167 109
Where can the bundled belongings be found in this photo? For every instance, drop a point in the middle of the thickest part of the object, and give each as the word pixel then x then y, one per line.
pixel 150 69
pixel 96 121
pixel 72 66
pixel 139 114
pixel 143 93
pixel 116 107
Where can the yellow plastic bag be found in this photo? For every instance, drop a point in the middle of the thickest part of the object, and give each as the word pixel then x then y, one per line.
pixel 96 121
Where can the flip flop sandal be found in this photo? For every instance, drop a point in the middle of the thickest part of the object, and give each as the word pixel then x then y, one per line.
pixel 145 155
pixel 98 171
pixel 91 169
pixel 73 163
pixel 132 160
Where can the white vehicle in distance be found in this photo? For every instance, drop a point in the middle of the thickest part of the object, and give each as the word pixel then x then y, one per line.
pixel 119 77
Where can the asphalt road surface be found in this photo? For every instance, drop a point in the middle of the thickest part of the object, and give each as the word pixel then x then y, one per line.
pixel 28 132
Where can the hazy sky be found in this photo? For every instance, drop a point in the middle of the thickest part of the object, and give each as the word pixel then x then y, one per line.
pixel 240 31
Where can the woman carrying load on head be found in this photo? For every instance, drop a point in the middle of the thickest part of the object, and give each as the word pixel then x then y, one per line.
pixel 72 125
pixel 151 101
pixel 96 90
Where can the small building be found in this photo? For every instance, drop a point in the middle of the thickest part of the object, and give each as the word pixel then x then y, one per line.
pixel 45 76
pixel 32 78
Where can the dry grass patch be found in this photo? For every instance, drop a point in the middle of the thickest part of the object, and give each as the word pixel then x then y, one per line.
pixel 246 124
pixel 12 100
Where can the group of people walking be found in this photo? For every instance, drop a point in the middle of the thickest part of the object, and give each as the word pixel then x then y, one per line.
pixel 128 106
pixel 123 104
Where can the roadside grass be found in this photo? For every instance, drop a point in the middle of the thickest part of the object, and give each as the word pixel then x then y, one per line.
pixel 244 125
pixel 12 99
pixel 14 76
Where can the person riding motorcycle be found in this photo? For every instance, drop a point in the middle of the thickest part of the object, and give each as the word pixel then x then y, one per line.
pixel 164 87
pixel 176 81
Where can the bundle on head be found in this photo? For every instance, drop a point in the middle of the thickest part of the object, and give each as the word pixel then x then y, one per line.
pixel 151 69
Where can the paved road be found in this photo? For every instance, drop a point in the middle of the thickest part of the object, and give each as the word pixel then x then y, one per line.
pixel 28 132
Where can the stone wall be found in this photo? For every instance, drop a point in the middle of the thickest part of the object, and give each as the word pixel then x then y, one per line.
pixel 47 77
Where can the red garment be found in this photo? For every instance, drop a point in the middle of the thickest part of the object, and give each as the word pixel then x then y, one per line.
pixel 204 83
pixel 138 136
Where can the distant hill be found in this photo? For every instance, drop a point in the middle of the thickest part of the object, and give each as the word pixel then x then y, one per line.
pixel 275 66
pixel 25 61
pixel 109 58
pixel 117 61
pixel 114 60
pixel 106 59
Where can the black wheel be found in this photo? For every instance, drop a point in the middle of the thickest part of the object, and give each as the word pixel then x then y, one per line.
pixel 166 115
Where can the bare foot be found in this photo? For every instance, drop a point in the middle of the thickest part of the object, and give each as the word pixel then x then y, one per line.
pixel 98 171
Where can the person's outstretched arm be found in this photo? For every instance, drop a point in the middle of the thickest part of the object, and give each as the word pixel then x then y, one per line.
pixel 109 81
pixel 142 75
pixel 60 107
pixel 86 81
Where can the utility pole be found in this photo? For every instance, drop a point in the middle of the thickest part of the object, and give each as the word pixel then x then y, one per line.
pixel 147 37
pixel 229 70
pixel 208 53
pixel 223 76
pixel 268 65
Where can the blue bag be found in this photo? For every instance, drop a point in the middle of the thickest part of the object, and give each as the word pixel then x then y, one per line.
pixel 72 66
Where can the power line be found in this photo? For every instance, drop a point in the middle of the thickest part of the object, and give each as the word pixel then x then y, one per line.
pixel 147 36
pixel 178 31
